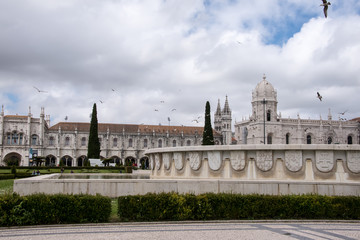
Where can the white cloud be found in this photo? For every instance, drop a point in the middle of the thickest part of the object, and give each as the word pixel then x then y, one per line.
pixel 183 52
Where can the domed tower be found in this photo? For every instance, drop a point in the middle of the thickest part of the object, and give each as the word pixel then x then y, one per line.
pixel 264 98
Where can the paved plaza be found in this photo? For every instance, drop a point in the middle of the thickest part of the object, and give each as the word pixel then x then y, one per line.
pixel 190 230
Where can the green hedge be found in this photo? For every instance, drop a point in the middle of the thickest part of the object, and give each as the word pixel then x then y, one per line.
pixel 173 206
pixel 53 209
pixel 13 176
pixel 7 176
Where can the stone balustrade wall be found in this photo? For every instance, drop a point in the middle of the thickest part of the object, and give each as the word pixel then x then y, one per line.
pixel 324 163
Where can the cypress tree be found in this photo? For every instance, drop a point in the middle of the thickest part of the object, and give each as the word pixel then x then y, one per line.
pixel 208 138
pixel 94 143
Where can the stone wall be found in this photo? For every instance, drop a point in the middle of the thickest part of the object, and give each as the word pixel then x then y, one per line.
pixel 320 163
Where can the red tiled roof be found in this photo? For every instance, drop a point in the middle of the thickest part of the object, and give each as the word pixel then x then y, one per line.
pixel 15 116
pixel 129 128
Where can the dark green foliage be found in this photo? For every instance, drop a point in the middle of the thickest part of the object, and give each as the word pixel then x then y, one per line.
pixel 13 169
pixel 7 176
pixel 128 169
pixel 94 143
pixel 12 161
pixel 208 137
pixel 53 209
pixel 173 206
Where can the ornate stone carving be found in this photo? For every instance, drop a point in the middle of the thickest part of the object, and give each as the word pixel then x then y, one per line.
pixel 237 160
pixel 157 161
pixel 353 161
pixel 214 158
pixel 264 160
pixel 293 160
pixel 166 160
pixel 178 160
pixel 195 160
pixel 324 161
pixel 152 162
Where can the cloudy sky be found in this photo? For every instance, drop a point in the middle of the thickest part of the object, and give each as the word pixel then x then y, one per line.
pixel 136 56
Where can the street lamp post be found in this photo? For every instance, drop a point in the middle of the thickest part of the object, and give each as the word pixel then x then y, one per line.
pixel 264 102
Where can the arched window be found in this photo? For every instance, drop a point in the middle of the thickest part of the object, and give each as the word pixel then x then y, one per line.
pixel 15 138
pixel 174 143
pixel 83 141
pixel 67 141
pixel 145 143
pixel 349 140
pixel 308 139
pixel 269 139
pixel 130 142
pixel 268 115
pixel 115 142
pixel 188 143
pixel 51 141
pixel 329 140
pixel 160 143
pixel 34 139
pixel 287 138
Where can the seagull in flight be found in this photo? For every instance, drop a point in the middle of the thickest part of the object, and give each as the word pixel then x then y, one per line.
pixel 342 113
pixel 195 120
pixel 174 109
pixel 319 96
pixel 101 101
pixel 162 101
pixel 156 110
pixel 326 6
pixel 66 118
pixel 40 91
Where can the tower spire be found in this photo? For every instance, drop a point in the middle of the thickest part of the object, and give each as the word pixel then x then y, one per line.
pixel 226 109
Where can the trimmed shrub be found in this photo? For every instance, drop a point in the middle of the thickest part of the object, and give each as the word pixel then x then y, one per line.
pixel 128 169
pixel 53 209
pixel 173 206
pixel 6 176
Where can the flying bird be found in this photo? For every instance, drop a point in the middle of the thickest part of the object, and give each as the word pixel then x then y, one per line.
pixel 66 118
pixel 319 96
pixel 342 113
pixel 174 109
pixel 162 101
pixel 326 6
pixel 40 91
pixel 195 120
pixel 112 90
pixel 156 110
pixel 101 101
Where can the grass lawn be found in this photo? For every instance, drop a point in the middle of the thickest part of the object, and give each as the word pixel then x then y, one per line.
pixel 6 186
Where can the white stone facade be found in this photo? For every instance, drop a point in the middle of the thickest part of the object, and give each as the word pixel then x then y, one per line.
pixel 266 126
pixel 66 141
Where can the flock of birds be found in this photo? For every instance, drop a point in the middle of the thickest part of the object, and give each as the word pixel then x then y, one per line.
pixel 325 6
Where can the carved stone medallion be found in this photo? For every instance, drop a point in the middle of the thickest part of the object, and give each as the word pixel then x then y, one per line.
pixel 293 160
pixel 324 161
pixel 353 161
pixel 152 162
pixel 195 160
pixel 166 160
pixel 178 160
pixel 264 160
pixel 237 160
pixel 214 158
pixel 157 161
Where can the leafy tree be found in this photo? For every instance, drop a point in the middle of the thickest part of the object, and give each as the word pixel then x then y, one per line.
pixel 208 137
pixel 94 143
